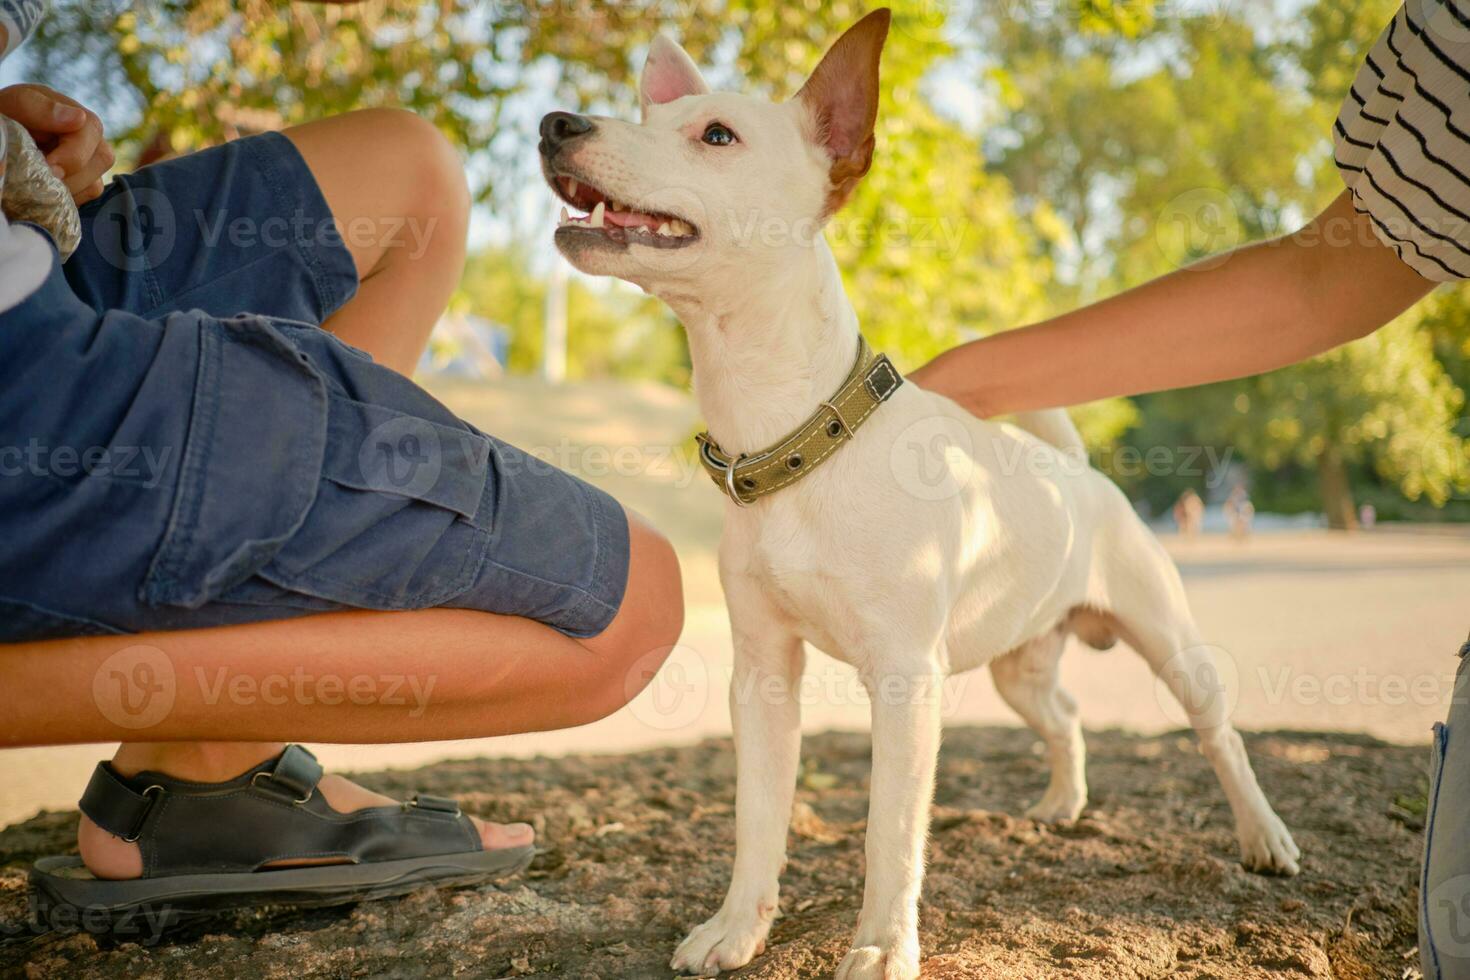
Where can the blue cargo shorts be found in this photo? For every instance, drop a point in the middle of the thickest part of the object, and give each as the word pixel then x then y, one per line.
pixel 182 445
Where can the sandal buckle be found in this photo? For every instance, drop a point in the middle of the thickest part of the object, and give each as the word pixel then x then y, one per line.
pixel 255 780
pixel 138 830
pixel 437 804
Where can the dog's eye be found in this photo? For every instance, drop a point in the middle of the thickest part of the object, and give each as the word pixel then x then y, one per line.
pixel 717 134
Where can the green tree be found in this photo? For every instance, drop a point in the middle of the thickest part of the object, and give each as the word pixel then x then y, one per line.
pixel 610 332
pixel 1116 140
pixel 1194 137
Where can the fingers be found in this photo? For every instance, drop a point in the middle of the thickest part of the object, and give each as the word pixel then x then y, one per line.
pixel 69 134
pixel 81 181
pixel 81 157
pixel 89 193
pixel 42 112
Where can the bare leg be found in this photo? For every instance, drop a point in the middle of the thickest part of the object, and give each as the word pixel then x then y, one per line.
pixel 767 720
pixel 430 674
pixel 465 674
pixel 397 189
pixel 398 193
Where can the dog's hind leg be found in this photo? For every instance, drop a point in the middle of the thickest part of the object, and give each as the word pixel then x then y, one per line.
pixel 1147 598
pixel 1028 681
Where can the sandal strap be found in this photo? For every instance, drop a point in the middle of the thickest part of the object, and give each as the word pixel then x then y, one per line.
pixel 269 814
pixel 439 804
pixel 297 770
pixel 113 805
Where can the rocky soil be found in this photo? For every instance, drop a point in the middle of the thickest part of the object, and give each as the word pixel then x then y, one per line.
pixel 636 849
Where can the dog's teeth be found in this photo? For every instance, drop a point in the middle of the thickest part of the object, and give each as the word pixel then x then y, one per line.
pixel 663 230
pixel 681 227
pixel 596 220
pixel 565 218
pixel 571 187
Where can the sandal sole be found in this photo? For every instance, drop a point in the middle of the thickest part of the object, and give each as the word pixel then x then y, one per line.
pixel 63 892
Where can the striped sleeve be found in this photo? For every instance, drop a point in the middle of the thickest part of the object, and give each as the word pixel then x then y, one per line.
pixel 19 18
pixel 1402 138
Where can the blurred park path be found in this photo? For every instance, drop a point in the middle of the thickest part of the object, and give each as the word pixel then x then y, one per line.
pixel 1314 630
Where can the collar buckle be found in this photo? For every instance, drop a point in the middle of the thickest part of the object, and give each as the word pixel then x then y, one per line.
pixel 730 490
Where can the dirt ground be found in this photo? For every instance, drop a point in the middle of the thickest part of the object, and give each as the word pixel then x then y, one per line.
pixel 636 849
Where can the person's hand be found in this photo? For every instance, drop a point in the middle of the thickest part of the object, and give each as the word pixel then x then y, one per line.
pixel 67 133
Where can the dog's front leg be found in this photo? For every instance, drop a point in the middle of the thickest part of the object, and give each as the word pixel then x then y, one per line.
pixel 767 718
pixel 906 726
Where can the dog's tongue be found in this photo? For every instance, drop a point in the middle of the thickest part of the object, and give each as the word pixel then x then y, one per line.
pixel 630 219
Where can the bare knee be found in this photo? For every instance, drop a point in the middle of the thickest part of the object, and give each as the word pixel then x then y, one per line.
pixel 428 172
pixel 648 623
pixel 395 183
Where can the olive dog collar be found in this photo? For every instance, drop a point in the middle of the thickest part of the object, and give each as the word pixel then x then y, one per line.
pixel 749 476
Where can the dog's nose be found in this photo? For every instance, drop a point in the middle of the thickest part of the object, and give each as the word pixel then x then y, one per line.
pixel 562 127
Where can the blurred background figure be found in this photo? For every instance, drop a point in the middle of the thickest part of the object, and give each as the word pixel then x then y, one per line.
pixel 1189 513
pixel 1239 512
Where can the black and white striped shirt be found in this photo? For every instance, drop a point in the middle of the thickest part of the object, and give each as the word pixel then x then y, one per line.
pixel 1402 139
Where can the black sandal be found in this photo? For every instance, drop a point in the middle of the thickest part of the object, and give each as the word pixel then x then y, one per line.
pixel 205 846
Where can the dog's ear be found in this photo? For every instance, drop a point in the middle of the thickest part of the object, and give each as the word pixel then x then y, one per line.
pixel 668 74
pixel 842 100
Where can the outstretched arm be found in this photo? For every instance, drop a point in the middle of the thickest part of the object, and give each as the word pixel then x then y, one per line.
pixel 1253 310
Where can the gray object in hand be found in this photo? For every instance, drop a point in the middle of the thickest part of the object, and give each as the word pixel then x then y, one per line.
pixel 29 191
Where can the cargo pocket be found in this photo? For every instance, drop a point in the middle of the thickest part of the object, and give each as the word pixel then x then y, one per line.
pixel 251 463
pixel 402 512
pixel 289 483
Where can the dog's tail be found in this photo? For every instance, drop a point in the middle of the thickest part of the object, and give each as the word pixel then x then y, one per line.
pixel 1055 426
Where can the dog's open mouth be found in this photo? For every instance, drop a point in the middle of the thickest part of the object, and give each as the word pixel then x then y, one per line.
pixel 614 221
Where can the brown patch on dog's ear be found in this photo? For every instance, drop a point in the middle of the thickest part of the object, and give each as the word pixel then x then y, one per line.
pixel 842 97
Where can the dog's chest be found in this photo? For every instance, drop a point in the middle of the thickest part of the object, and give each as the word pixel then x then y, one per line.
pixel 803 562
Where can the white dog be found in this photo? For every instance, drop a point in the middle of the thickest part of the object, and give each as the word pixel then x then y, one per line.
pixel 715 204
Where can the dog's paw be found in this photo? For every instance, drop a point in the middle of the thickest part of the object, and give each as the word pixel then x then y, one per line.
pixel 722 943
pixel 1061 807
pixel 1266 846
pixel 879 963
